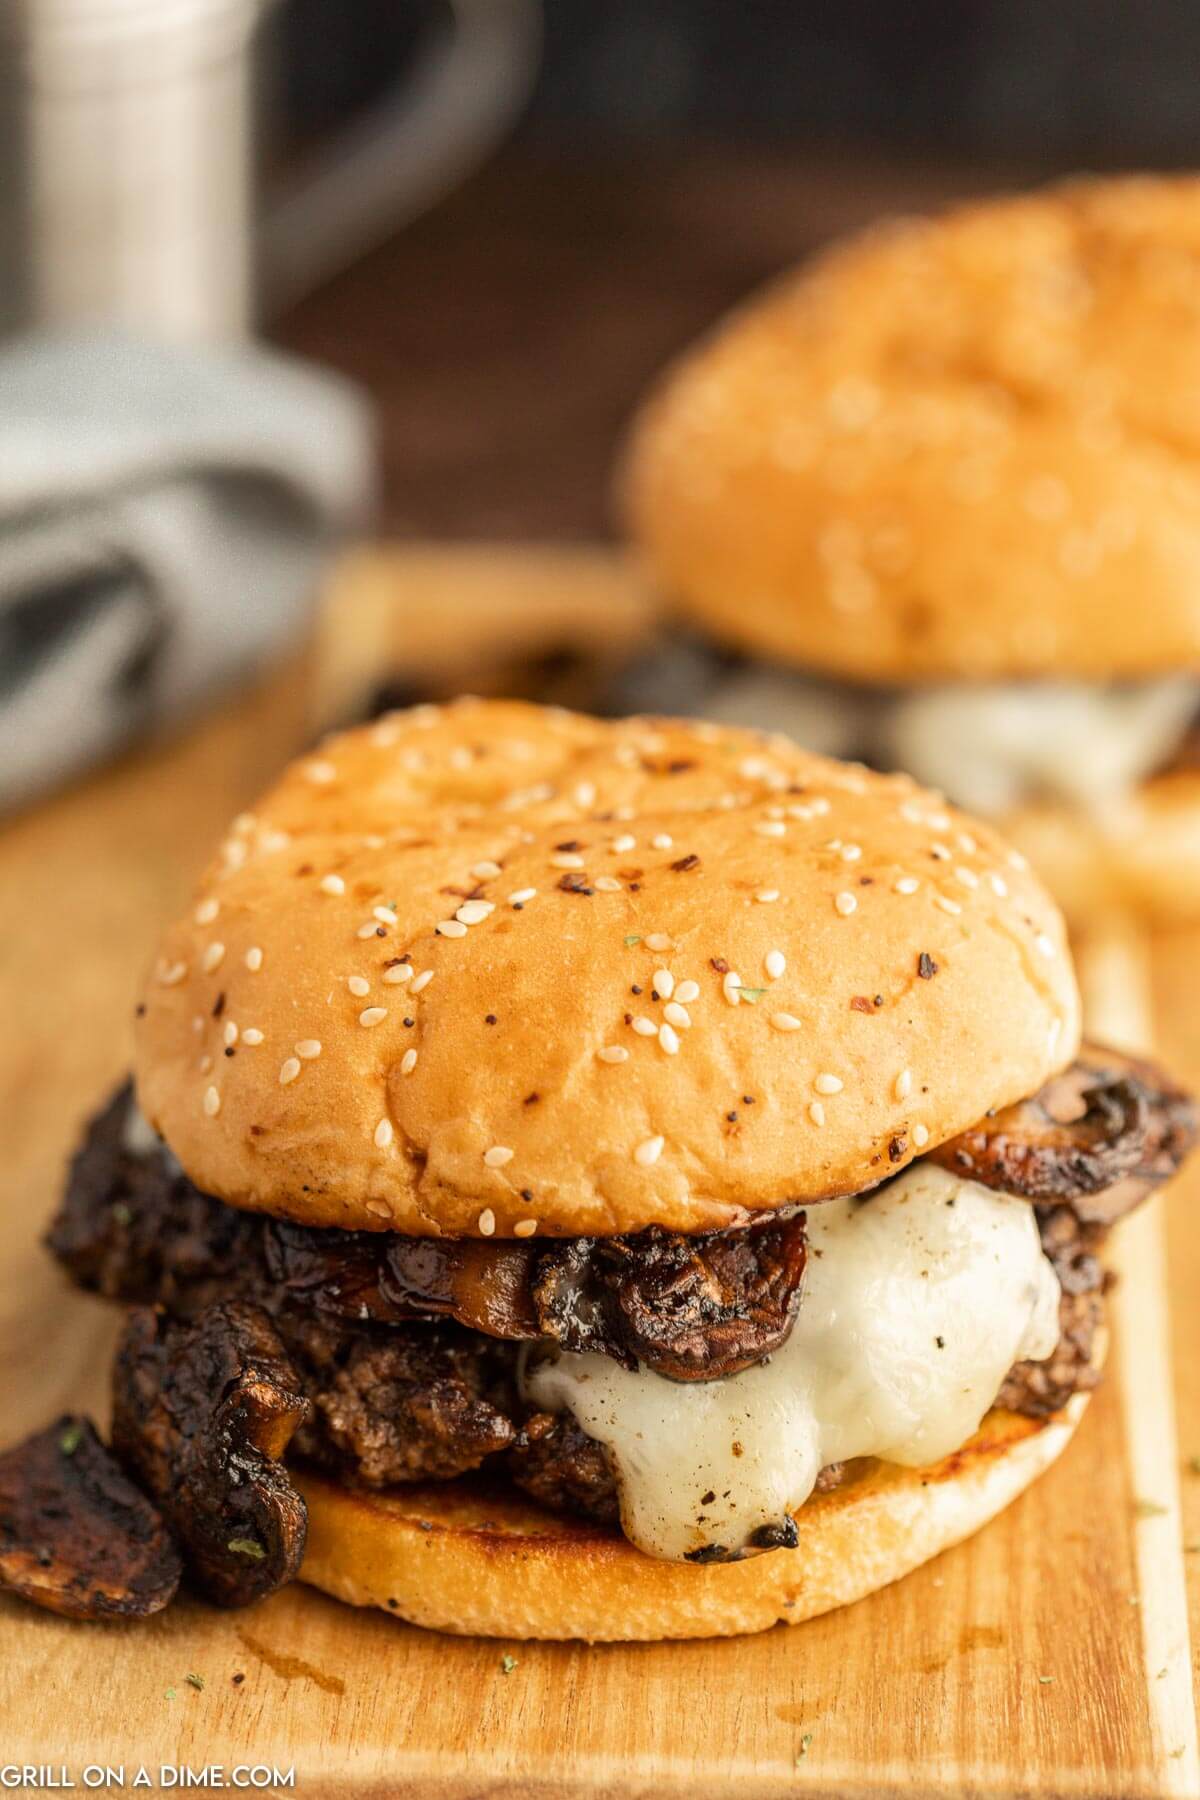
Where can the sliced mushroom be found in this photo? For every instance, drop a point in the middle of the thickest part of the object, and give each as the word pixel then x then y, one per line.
pixel 694 1308
pixel 202 1414
pixel 76 1536
pixel 1101 1135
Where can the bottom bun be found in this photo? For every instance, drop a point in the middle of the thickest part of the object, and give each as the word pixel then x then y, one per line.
pixel 487 1563
pixel 1142 855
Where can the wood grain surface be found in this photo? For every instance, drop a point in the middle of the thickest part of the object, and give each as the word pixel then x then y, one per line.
pixel 1047 1656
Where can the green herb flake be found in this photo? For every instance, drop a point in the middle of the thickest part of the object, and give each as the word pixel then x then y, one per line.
pixel 247 1547
pixel 121 1213
pixel 507 1664
pixel 194 1680
pixel 168 1693
pixel 631 941
pixel 751 996
pixel 70 1438
pixel 805 1741
pixel 1148 1509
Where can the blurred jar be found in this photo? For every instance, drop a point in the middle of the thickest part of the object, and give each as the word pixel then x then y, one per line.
pixel 127 183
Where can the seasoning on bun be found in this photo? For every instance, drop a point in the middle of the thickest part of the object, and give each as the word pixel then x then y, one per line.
pixel 949 476
pixel 581 1171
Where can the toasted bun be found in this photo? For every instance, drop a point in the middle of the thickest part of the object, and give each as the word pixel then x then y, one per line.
pixel 480 1102
pixel 968 446
pixel 487 1565
pixel 1142 857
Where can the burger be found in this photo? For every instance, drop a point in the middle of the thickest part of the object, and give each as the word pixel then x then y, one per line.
pixel 934 502
pixel 590 1180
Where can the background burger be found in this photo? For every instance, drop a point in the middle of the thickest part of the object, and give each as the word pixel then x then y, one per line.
pixel 934 501
pixel 604 1181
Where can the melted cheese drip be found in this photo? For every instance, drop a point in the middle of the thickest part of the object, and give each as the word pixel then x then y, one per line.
pixel 989 745
pixel 916 1304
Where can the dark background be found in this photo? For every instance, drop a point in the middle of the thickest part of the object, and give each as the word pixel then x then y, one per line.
pixel 675 153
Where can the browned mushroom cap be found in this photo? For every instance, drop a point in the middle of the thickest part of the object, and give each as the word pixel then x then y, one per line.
pixel 76 1536
pixel 694 1308
pixel 1099 1136
pixel 202 1413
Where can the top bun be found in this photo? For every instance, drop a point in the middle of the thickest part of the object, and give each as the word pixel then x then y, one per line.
pixel 967 447
pixel 926 980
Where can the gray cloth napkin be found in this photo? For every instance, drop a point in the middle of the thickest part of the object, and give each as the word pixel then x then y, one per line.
pixel 164 516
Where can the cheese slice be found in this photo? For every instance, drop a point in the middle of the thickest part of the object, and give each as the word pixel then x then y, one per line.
pixel 916 1303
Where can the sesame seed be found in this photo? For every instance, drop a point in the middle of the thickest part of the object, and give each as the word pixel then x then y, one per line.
pixel 658 940
pixel 648 1152
pixel 999 885
pixel 171 974
pixel 451 928
pixel 308 1048
pixel 486 1222
pixel 785 1021
pixel 230 1033
pixel 765 896
pixel 474 912
pixel 664 983
pixel 613 1053
pixel 332 884
pixel 213 957
pixel 408 1062
pixel 498 1156
pixel 920 1136
pixel 828 1084
pixel 205 1064
pixel 662 842
pixel 383 1134
pixel 968 877
pixel 907 884
pixel 1017 861
pixel 939 851
pixel 816 1112
pixel 851 852
pixel 668 1040
pixel 485 871
pixel 607 884
pixel 254 959
pixel 585 794
pixel 371 1015
pixel 846 903
pixel 677 1015
pixel 1045 944
pixel 369 930
pixel 902 1087
pixel 252 1035
pixel 687 991
pixel 775 963
pixel 624 843
pixel 947 905
pixel 645 1027
pixel 394 977
pixel 212 1102
pixel 522 897
pixel 320 772
pixel 730 986
pixel 770 828
pixel 566 859
pixel 524 1227
pixel 422 981
pixel 967 844
pixel 358 985
pixel 384 915
pixel 207 911
pixel 289 1071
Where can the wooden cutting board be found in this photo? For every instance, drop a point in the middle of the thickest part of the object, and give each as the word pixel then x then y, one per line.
pixel 1050 1655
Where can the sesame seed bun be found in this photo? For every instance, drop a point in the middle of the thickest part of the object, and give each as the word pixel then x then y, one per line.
pixel 570 906
pixel 954 447
pixel 457 1559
